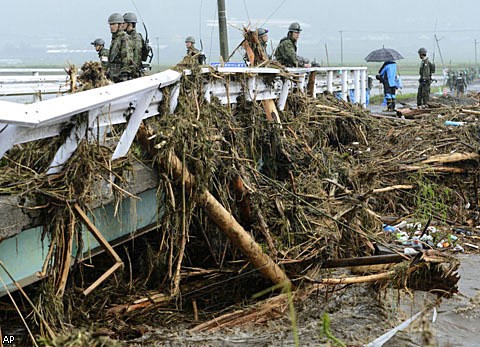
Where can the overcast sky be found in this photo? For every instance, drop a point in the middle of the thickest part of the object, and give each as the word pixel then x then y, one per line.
pixel 66 28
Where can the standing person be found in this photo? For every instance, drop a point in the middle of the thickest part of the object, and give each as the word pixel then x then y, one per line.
pixel 426 70
pixel 99 45
pixel 263 38
pixel 194 52
pixel 121 65
pixel 286 52
pixel 460 85
pixel 387 75
pixel 138 42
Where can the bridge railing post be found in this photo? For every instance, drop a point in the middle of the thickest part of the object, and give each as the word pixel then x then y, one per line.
pixel 330 81
pixel 356 83
pixel 344 85
pixel 363 87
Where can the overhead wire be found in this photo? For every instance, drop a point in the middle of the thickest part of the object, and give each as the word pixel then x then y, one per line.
pixel 274 11
pixel 246 10
pixel 200 21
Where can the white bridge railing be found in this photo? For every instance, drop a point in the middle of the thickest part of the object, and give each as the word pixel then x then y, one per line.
pixel 32 81
pixel 132 101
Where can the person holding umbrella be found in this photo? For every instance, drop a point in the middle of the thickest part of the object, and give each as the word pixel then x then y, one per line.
pixel 387 74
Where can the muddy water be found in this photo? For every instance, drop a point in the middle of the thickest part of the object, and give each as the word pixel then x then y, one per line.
pixel 458 321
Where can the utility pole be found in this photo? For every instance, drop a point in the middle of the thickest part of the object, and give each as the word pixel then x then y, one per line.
pixel 439 51
pixel 222 26
pixel 158 52
pixel 326 54
pixel 341 47
pixel 475 41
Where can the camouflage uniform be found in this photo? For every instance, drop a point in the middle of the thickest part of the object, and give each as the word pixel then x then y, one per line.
pixel 460 84
pixel 286 52
pixel 192 51
pixel 121 65
pixel 426 70
pixel 103 55
pixel 138 42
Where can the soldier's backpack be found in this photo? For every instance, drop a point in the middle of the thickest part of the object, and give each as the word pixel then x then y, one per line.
pixel 432 67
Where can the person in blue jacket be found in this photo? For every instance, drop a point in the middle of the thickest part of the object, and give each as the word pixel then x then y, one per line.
pixel 387 75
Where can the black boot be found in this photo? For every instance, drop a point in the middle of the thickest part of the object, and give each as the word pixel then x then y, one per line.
pixel 389 105
pixel 393 105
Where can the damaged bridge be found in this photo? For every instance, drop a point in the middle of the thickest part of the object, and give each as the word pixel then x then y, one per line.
pixel 25 248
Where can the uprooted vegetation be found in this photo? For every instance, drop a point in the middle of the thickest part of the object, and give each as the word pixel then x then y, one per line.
pixel 316 186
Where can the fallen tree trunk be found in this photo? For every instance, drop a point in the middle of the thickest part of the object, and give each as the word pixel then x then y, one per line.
pixel 222 218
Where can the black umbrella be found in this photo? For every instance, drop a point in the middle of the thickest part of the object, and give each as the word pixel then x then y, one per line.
pixel 383 54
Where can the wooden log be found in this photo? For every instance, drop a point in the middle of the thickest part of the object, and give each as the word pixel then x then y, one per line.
pixel 357 279
pixel 372 260
pixel 270 308
pixel 432 169
pixel 328 108
pixel 249 51
pixel 271 111
pixel 242 198
pixel 224 220
pixel 397 187
pixel 311 83
pixel 154 299
pixel 67 259
pixel 451 158
pixel 412 112
pixel 106 246
pixel 463 110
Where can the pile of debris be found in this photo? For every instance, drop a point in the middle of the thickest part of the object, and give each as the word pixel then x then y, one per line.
pixel 243 195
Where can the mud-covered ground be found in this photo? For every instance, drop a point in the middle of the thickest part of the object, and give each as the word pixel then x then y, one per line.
pixel 359 314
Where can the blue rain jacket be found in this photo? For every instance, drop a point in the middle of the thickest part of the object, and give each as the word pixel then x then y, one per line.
pixel 388 72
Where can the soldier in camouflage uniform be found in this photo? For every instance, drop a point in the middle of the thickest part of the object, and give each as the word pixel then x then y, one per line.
pixel 192 51
pixel 426 70
pixel 286 52
pixel 263 38
pixel 99 45
pixel 121 66
pixel 137 40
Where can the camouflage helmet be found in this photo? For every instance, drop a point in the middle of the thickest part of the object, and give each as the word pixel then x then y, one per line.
pixel 422 50
pixel 261 32
pixel 190 39
pixel 130 17
pixel 295 27
pixel 98 42
pixel 115 18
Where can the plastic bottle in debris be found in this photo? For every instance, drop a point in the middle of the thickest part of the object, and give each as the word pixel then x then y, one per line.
pixel 416 243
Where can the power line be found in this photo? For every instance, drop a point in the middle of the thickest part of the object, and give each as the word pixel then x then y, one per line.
pixel 275 11
pixel 408 31
pixel 200 21
pixel 246 10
